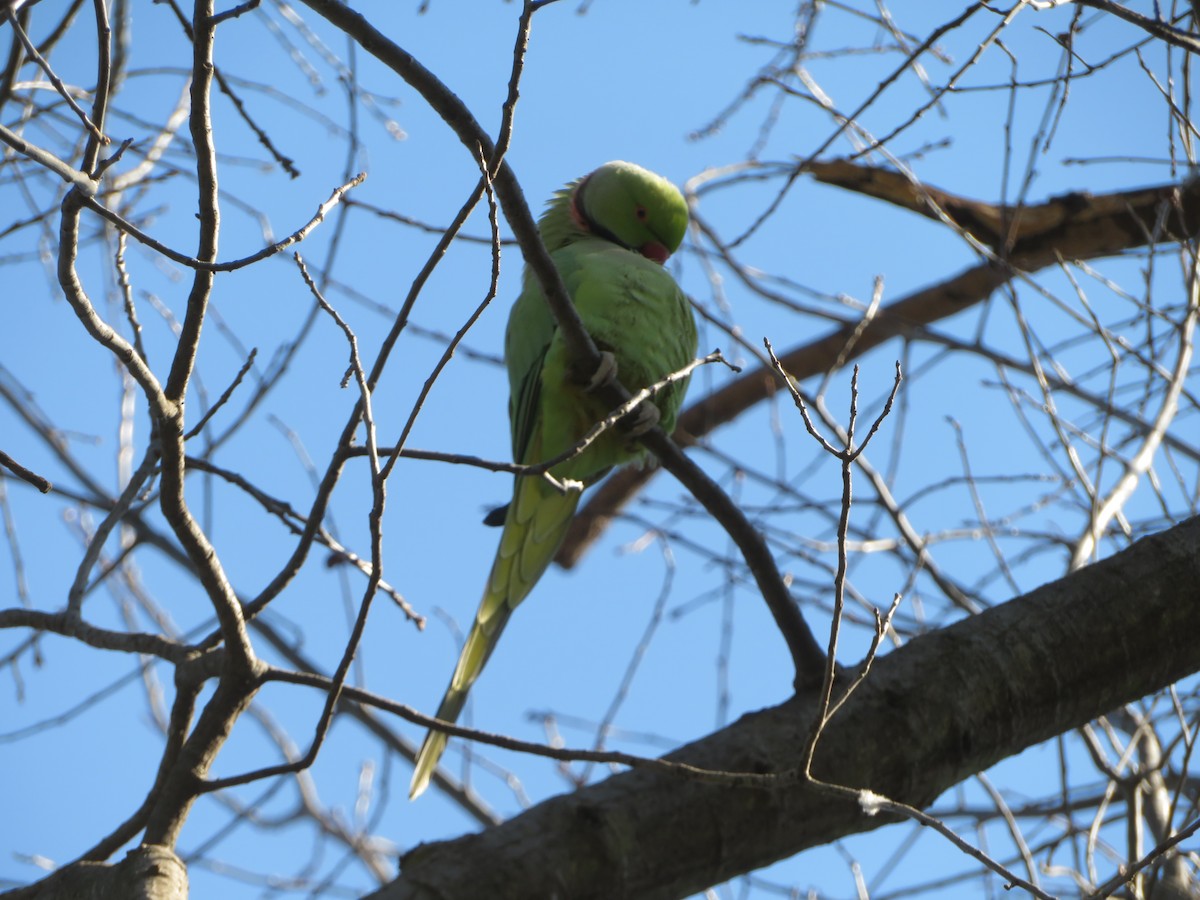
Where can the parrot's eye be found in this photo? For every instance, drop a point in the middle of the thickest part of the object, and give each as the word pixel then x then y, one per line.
pixel 641 213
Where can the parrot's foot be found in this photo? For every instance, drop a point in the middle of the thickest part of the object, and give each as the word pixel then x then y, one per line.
pixel 633 425
pixel 606 373
pixel 641 420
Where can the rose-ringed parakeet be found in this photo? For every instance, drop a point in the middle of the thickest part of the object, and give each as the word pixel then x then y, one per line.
pixel 609 234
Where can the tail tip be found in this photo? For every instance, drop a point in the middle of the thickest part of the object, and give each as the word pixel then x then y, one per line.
pixel 422 772
pixel 420 781
pixel 426 761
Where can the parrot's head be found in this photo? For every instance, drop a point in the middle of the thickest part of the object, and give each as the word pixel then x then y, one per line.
pixel 633 207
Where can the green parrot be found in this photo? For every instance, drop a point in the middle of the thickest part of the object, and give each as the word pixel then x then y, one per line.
pixel 609 234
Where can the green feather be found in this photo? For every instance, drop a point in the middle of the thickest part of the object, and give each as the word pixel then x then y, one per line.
pixel 607 234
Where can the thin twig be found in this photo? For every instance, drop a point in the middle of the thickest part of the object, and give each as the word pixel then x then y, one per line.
pixel 72 176
pixel 1126 875
pixel 32 51
pixel 1139 464
pixel 25 474
pixel 240 10
pixel 201 265
pixel 872 804
pixel 379 495
pixel 846 456
pixel 111 520
pixel 1164 31
pixel 225 395
pixel 562 754
pixel 70 625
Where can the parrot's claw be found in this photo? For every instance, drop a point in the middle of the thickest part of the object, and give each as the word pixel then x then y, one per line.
pixel 641 420
pixel 606 372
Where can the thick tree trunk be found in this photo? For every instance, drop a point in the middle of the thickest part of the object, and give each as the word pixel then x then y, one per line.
pixel 944 706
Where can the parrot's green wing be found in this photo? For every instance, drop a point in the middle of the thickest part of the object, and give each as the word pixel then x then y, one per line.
pixel 608 234
pixel 530 330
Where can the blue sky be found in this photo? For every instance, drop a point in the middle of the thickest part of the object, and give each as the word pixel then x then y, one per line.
pixel 627 79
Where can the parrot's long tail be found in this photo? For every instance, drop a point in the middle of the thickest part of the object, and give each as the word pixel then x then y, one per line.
pixel 475 653
pixel 536 523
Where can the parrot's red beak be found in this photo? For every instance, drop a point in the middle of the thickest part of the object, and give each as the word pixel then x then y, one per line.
pixel 655 251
